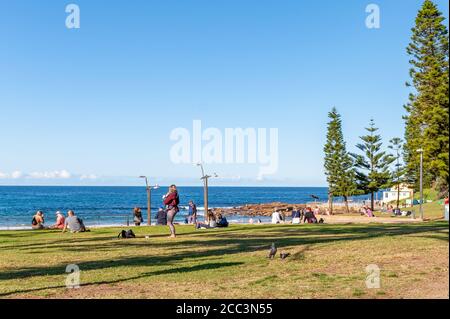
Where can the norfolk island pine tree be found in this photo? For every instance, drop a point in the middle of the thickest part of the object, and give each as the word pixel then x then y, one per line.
pixel 338 163
pixel 372 166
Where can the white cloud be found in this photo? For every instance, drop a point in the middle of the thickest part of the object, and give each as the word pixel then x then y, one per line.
pixel 88 176
pixel 13 175
pixel 16 174
pixel 63 174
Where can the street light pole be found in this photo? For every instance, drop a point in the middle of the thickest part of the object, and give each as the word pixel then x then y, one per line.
pixel 423 128
pixel 421 184
pixel 205 179
pixel 149 200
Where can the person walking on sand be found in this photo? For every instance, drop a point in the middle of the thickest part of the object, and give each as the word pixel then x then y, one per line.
pixel 171 201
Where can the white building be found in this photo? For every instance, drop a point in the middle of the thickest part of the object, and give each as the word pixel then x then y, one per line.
pixel 391 194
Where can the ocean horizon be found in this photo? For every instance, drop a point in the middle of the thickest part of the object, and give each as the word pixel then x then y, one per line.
pixel 113 205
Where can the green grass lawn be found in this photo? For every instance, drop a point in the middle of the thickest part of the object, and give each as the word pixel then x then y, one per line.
pixel 432 210
pixel 327 261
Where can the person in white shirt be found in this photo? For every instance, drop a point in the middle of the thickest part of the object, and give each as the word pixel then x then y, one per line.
pixel 276 217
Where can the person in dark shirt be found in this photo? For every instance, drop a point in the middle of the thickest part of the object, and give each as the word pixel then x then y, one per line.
pixel 296 216
pixel 192 217
pixel 161 217
pixel 310 218
pixel 137 216
pixel 38 221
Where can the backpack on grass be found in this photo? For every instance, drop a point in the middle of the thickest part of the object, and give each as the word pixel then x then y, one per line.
pixel 124 234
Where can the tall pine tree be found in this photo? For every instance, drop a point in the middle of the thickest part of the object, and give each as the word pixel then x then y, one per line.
pixel 372 171
pixel 427 120
pixel 338 163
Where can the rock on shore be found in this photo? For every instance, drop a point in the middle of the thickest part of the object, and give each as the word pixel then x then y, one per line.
pixel 267 209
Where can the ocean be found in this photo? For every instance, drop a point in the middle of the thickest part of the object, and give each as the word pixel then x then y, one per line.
pixel 104 206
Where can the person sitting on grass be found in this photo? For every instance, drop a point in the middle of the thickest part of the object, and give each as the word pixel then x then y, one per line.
pixel 74 223
pixel 296 215
pixel 276 217
pixel 368 212
pixel 317 211
pixel 38 221
pixel 60 221
pixel 212 222
pixel 161 217
pixel 310 218
pixel 221 221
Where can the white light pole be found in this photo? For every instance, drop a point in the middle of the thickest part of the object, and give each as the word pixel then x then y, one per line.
pixel 421 183
pixel 205 189
pixel 149 201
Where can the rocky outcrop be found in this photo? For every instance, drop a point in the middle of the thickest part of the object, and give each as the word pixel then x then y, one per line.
pixel 267 209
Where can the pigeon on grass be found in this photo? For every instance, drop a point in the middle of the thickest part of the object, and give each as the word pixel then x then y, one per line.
pixel 273 251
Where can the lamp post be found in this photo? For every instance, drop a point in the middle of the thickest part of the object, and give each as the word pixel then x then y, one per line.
pixel 205 179
pixel 149 201
pixel 421 183
pixel 423 127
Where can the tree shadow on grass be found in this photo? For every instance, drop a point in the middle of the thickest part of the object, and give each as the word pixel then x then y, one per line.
pixel 304 233
pixel 179 270
pixel 225 243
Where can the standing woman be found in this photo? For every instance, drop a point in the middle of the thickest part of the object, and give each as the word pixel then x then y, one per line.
pixel 171 200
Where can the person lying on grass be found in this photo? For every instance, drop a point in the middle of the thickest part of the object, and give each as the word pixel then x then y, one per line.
pixel 74 223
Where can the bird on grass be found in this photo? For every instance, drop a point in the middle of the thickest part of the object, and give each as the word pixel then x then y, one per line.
pixel 273 251
pixel 284 255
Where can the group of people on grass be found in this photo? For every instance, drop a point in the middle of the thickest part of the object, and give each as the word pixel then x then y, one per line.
pixel 72 222
pixel 166 215
pixel 306 215
pixel 389 208
pixel 367 211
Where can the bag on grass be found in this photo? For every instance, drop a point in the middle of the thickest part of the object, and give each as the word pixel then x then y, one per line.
pixel 124 234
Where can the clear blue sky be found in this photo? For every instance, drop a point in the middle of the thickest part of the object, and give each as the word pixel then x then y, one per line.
pixel 102 100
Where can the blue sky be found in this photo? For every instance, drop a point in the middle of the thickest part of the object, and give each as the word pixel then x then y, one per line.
pixel 96 105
